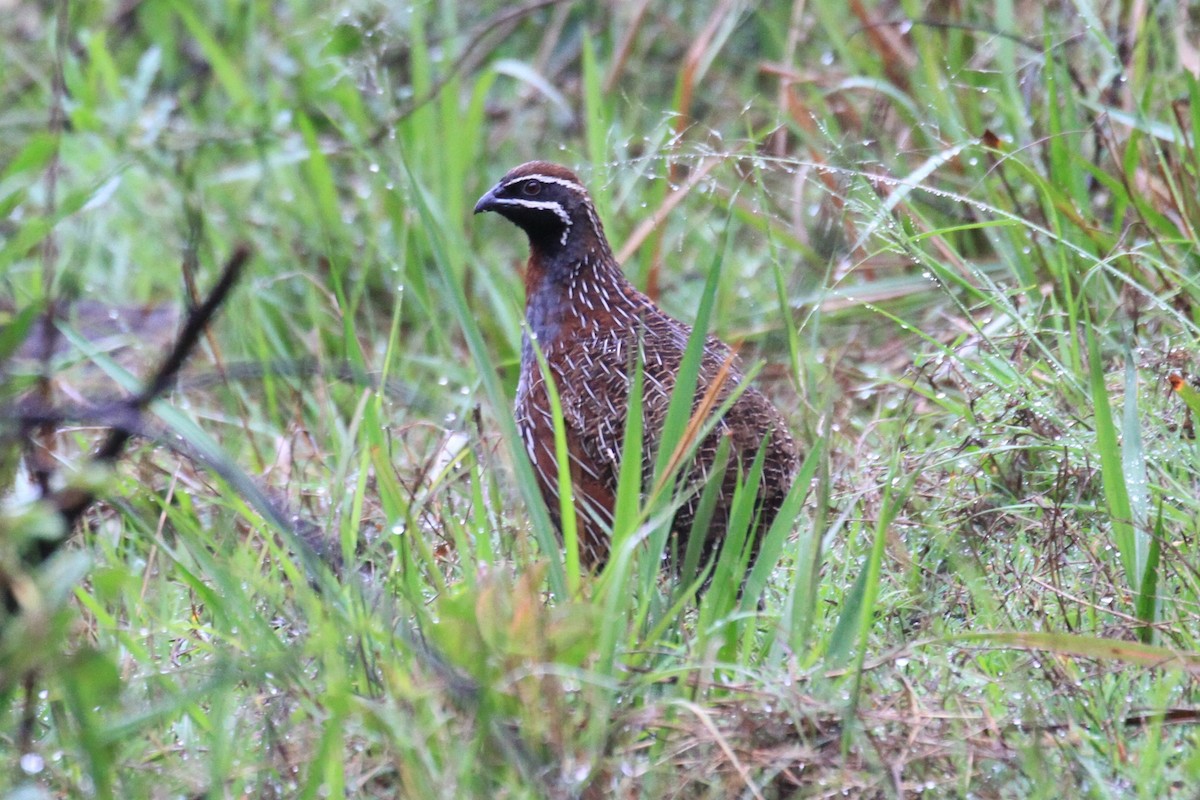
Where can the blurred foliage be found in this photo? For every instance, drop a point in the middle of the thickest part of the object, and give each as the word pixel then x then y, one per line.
pixel 962 238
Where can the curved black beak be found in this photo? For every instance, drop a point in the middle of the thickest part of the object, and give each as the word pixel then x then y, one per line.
pixel 487 202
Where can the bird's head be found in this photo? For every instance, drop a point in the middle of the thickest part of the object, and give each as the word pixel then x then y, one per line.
pixel 549 203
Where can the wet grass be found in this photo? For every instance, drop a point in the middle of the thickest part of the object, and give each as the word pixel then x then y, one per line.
pixel 962 244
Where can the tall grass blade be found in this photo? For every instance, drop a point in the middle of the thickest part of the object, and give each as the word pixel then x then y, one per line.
pixel 801 605
pixel 693 549
pixel 1133 461
pixel 567 521
pixel 1147 598
pixel 674 444
pixel 596 128
pixel 1112 470
pixel 1097 647
pixel 14 332
pixel 731 560
pixel 219 58
pixel 894 498
pixel 627 511
pixel 781 527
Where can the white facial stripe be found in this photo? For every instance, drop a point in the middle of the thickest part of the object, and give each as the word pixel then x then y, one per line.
pixel 547 205
pixel 547 179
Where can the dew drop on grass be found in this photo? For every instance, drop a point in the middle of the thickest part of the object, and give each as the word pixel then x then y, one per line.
pixel 32 763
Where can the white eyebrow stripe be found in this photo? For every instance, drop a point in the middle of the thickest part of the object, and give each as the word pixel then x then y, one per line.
pixel 547 179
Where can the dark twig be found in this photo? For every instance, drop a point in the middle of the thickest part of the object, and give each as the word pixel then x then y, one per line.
pixel 41 447
pixel 125 420
pixel 72 502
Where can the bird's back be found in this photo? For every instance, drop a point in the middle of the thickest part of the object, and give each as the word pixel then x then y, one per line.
pixel 592 363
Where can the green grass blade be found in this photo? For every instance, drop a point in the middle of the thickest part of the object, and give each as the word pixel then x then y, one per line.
pixel 683 394
pixel 224 65
pixel 596 127
pixel 568 524
pixel 694 546
pixel 1133 461
pixel 1096 647
pixel 894 498
pixel 14 331
pixel 1111 466
pixel 679 410
pixel 781 527
pixel 1147 597
pixel 627 512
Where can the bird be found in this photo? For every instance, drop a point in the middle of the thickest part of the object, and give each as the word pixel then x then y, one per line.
pixel 591 324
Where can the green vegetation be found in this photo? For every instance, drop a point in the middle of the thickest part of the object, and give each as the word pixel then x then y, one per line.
pixel 962 239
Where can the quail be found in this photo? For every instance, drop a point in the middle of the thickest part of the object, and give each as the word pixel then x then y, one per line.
pixel 591 324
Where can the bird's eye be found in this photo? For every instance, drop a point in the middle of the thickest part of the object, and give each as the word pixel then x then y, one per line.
pixel 531 188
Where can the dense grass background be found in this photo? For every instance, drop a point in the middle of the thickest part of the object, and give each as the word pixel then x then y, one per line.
pixel 961 237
